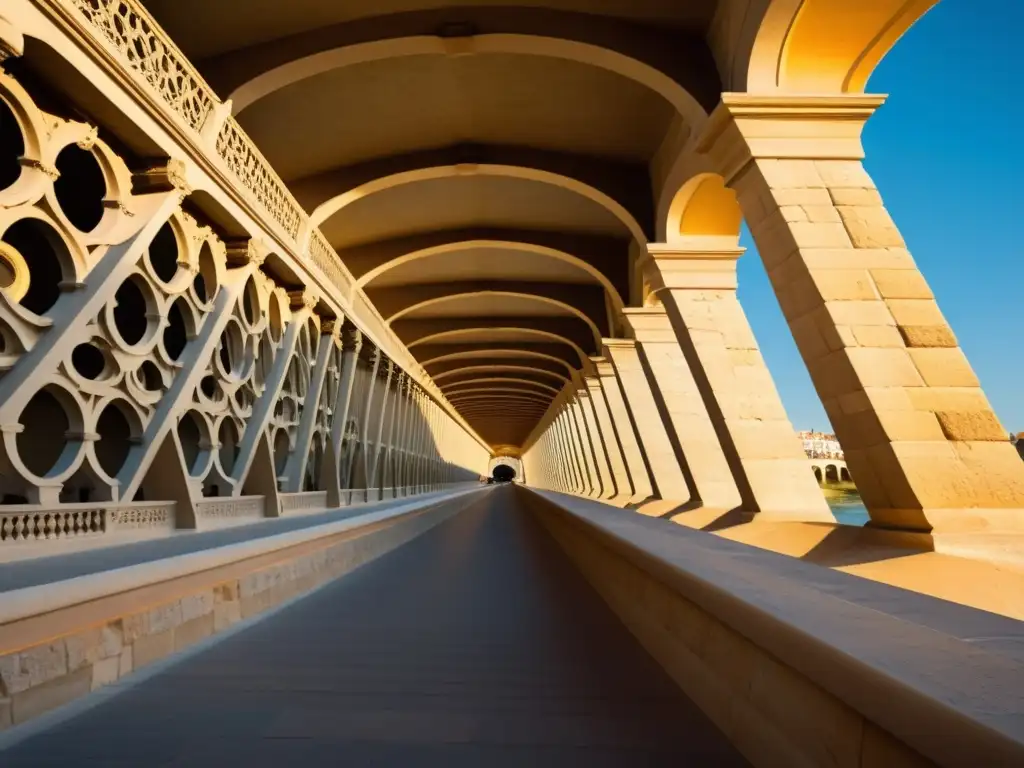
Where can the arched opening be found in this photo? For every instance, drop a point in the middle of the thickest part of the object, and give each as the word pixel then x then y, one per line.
pixel 831 473
pixel 163 253
pixel 90 362
pixel 44 438
pixel 36 243
pixel 176 332
pixel 114 427
pixel 281 450
pixel 12 147
pixel 205 282
pixel 131 310
pixel 194 441
pixel 150 377
pixel 844 474
pixel 503 473
pixel 80 188
pixel 228 437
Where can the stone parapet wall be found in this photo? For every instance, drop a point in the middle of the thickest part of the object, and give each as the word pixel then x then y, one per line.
pixel 51 659
pixel 783 696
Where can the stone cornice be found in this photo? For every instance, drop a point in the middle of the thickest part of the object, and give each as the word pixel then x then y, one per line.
pixel 744 127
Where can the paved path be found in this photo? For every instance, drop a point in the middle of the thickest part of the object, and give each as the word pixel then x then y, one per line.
pixel 477 644
pixel 45 570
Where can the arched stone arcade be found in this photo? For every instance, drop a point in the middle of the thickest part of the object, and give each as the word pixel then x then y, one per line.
pixel 568 198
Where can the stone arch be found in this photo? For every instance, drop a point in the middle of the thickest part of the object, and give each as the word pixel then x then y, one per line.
pixel 283 75
pixel 831 473
pixel 703 207
pixel 540 335
pixel 333 205
pixel 511 354
pixel 439 378
pixel 515 294
pixel 464 245
pixel 825 46
pixel 844 474
pixel 817 474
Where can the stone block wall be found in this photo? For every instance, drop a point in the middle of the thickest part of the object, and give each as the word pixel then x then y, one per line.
pixel 775 715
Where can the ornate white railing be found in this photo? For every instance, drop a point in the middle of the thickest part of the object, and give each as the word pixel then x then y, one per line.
pixel 236 508
pixel 127 30
pixel 307 501
pixel 23 523
pixel 147 49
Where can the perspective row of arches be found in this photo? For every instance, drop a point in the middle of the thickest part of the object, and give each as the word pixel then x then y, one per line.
pixel 145 356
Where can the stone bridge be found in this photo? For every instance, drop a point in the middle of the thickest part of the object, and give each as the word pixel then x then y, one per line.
pixel 282 282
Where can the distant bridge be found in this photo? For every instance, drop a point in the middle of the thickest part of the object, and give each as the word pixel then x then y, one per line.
pixel 830 470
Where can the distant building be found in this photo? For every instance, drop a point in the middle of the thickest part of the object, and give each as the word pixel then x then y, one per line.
pixel 820 445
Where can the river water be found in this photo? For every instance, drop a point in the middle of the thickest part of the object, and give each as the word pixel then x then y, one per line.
pixel 849 509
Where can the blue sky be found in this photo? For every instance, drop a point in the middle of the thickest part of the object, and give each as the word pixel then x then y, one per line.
pixel 947 155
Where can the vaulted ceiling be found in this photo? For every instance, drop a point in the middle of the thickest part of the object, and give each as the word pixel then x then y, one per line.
pixel 483 169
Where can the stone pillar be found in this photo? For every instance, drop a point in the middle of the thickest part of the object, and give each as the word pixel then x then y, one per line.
pixel 695 277
pixel 595 443
pixel 920 438
pixel 573 484
pixel 572 449
pixel 686 415
pixel 330 472
pixel 623 489
pixel 622 425
pixel 578 432
pixel 666 472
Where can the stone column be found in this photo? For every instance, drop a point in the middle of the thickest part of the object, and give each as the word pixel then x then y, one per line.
pixel 622 425
pixel 591 481
pixel 920 438
pixel 595 443
pixel 572 451
pixel 666 472
pixel 695 277
pixel 330 473
pixel 686 415
pixel 616 462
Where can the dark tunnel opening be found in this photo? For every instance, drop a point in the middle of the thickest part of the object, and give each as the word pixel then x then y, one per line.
pixel 503 473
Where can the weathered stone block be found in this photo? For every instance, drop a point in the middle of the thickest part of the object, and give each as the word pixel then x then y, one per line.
pixel 125 665
pixel 857 313
pixel 93 645
pixel 49 695
pixel 915 312
pixel 901 284
pixel 844 284
pixel 821 235
pixel 928 336
pixel 150 648
pixel 105 672
pixel 855 196
pixel 884 367
pixel 225 614
pixel 32 666
pixel 843 174
pixel 194 606
pixel 971 425
pixel 883 336
pixel 193 631
pixel 870 227
pixel 943 367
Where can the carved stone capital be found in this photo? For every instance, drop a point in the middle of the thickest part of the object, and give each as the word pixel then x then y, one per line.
pixel 249 251
pixel 168 177
pixel 303 297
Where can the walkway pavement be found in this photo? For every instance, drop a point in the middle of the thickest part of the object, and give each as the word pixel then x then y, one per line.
pixel 477 644
pixel 68 565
